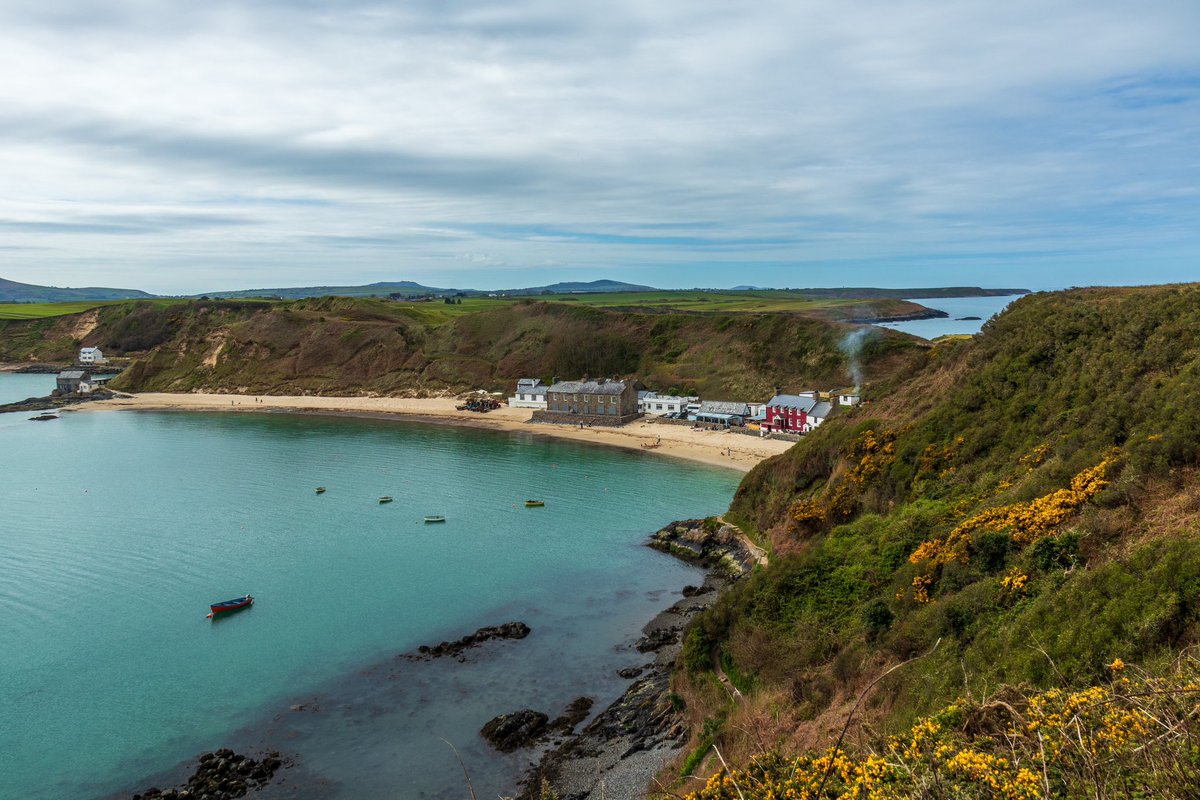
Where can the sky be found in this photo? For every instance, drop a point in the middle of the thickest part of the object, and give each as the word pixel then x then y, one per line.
pixel 187 147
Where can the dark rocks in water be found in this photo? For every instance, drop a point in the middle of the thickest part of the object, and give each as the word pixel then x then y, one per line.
pixel 519 729
pixel 222 775
pixel 43 417
pixel 966 319
pixel 575 713
pixel 509 630
pixel 695 591
pixel 629 673
pixel 657 639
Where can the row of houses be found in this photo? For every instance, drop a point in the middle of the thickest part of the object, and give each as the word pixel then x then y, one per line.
pixel 617 401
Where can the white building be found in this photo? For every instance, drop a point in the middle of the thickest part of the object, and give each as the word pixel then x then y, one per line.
pixel 531 393
pixel 91 355
pixel 661 405
pixel 849 399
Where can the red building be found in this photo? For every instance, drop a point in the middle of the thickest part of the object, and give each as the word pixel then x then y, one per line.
pixel 795 413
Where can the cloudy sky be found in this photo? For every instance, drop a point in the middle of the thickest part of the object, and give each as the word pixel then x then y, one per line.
pixel 183 146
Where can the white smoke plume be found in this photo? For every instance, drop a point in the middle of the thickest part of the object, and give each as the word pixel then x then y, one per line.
pixel 851 345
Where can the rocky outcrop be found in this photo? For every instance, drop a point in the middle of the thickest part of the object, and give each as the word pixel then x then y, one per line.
pixel 514 731
pixel 58 401
pixel 509 630
pixel 708 543
pixel 222 775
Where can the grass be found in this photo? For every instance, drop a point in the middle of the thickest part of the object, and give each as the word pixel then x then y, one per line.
pixel 45 310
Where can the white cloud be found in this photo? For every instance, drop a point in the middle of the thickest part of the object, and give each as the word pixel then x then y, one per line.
pixel 359 141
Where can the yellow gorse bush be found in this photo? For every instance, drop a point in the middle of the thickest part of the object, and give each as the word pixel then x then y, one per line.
pixel 1096 742
pixel 1027 522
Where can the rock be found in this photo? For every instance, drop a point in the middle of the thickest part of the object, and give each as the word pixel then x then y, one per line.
pixel 221 775
pixel 575 713
pixel 509 630
pixel 656 640
pixel 519 729
pixel 630 673
pixel 693 591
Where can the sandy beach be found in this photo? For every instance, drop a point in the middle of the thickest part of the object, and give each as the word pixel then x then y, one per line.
pixel 719 448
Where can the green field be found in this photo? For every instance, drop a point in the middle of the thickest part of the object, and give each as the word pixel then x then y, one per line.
pixel 44 310
pixel 704 302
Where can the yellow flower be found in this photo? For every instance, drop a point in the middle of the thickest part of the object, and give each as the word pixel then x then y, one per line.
pixel 1117 665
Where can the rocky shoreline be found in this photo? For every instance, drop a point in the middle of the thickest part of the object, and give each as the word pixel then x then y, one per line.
pixel 929 313
pixel 59 401
pixel 620 751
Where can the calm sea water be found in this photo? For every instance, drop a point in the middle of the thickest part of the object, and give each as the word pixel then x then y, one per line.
pixel 983 307
pixel 118 529
pixel 15 387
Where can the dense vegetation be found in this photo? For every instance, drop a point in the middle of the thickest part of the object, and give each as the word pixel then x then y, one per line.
pixel 1021 510
pixel 352 346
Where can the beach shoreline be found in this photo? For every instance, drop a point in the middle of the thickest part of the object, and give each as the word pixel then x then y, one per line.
pixel 714 448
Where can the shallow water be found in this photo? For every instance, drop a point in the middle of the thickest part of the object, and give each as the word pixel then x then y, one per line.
pixel 119 528
pixel 14 387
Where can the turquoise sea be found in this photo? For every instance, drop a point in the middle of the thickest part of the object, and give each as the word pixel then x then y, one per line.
pixel 15 387
pixel 119 528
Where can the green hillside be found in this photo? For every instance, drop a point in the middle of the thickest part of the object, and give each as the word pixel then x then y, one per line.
pixel 356 346
pixel 1020 511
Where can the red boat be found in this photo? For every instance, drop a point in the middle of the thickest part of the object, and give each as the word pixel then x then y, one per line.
pixel 231 605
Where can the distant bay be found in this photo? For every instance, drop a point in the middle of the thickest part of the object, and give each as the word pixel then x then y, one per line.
pixel 955 307
pixel 119 528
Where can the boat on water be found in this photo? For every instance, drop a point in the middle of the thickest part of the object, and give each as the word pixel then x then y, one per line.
pixel 236 604
pixel 387 498
pixel 320 490
pixel 534 503
pixel 435 518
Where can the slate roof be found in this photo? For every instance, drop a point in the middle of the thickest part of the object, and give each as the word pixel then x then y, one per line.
pixel 531 386
pixel 821 410
pixel 792 401
pixel 589 387
pixel 73 374
pixel 723 407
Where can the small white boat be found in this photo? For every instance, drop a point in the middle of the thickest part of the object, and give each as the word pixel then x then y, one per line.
pixel 387 498
pixel 320 490
pixel 434 518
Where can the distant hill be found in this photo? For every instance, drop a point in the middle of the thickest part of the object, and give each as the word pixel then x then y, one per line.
pixel 380 289
pixel 412 289
pixel 13 292
pixel 582 287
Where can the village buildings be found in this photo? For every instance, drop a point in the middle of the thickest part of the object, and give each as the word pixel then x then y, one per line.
pixel 591 402
pixel 531 393
pixel 796 413
pixel 615 402
pixel 91 355
pixel 723 412
pixel 661 405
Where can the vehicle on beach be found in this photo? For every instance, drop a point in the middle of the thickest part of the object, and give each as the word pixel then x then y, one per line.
pixel 236 604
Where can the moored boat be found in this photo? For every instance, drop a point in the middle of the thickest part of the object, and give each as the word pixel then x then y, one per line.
pixel 387 498
pixel 435 518
pixel 235 604
pixel 534 503
pixel 320 490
